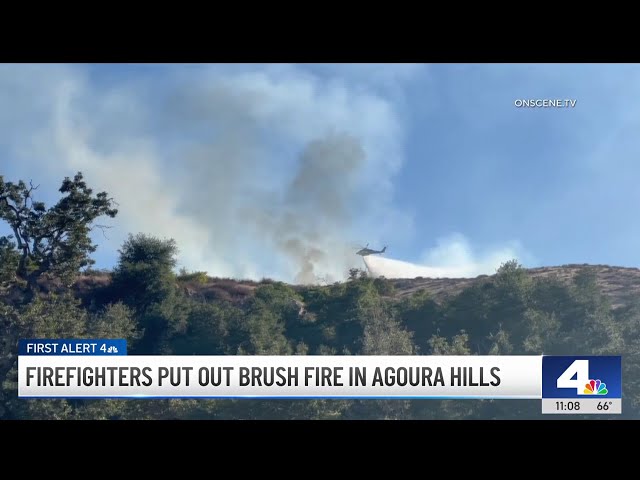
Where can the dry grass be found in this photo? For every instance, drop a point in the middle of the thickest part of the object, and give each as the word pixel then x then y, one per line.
pixel 621 284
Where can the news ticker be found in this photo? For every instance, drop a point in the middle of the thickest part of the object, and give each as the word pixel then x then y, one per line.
pixel 101 368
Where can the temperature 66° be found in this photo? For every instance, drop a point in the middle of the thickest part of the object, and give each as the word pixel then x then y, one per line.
pixel 604 405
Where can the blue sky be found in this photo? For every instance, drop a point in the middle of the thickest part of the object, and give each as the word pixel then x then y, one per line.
pixel 280 170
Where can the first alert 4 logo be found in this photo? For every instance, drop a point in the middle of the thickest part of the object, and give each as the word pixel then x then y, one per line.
pixel 59 348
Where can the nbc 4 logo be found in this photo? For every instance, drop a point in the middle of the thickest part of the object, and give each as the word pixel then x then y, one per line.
pixel 577 376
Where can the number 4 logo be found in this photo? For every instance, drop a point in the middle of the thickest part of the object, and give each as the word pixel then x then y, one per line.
pixel 578 369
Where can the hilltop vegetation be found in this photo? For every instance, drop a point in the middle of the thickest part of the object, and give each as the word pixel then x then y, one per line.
pixel 47 291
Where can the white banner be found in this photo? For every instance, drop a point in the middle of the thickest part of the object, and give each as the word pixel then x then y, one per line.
pixel 299 376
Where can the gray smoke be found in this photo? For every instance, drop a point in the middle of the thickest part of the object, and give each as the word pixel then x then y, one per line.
pixel 318 204
pixel 254 171
pixel 296 206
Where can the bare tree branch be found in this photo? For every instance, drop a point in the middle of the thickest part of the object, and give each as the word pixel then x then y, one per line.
pixel 102 229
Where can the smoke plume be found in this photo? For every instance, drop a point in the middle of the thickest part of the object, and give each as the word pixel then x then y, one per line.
pixel 254 171
pixel 305 222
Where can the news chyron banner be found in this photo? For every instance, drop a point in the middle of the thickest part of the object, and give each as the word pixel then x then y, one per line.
pixel 101 368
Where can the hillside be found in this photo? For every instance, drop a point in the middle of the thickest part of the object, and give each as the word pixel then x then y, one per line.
pixel 620 284
pixel 565 310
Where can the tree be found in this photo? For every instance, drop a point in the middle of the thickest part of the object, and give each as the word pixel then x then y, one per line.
pixel 52 239
pixel 144 280
pixel 144 274
pixel 383 334
pixel 422 316
pixel 262 330
pixel 9 261
pixel 52 316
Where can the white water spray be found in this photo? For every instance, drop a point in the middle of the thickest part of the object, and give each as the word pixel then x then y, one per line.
pixel 452 259
pixel 391 268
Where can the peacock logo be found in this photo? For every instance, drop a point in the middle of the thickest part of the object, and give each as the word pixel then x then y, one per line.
pixel 595 387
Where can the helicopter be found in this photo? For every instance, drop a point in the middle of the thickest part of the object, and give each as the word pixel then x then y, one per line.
pixel 368 251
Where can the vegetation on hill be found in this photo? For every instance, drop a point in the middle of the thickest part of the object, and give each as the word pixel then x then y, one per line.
pixel 45 293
